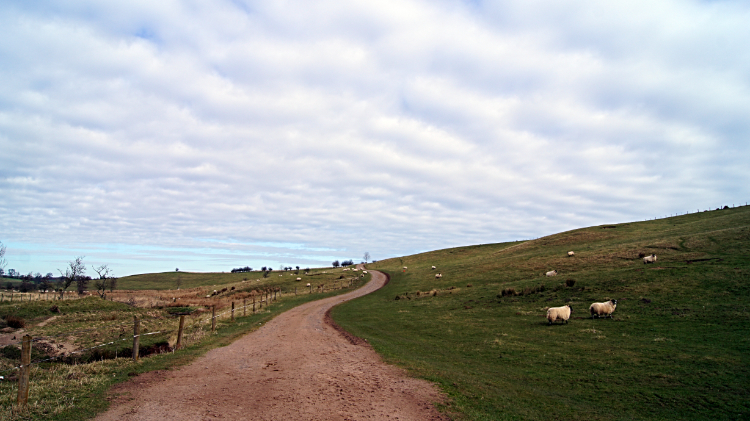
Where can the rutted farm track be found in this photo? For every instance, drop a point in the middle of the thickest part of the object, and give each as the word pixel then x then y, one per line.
pixel 296 367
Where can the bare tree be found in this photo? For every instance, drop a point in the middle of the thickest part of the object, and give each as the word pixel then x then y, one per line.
pixel 366 256
pixel 107 280
pixel 3 262
pixel 73 273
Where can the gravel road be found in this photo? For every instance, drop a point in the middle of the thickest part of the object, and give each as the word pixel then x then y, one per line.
pixel 296 367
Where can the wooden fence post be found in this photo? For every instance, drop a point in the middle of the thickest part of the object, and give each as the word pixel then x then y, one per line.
pixel 213 318
pixel 244 306
pixel 23 378
pixel 178 345
pixel 253 304
pixel 136 336
pixel 232 311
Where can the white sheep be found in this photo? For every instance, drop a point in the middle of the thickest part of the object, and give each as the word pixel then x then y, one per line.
pixel 559 313
pixel 571 253
pixel 299 279
pixel 404 267
pixel 603 309
pixel 433 268
pixel 649 259
pixel 438 275
pixel 308 284
pixel 364 271
pixel 552 273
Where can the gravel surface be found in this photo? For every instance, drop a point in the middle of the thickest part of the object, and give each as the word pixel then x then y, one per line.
pixel 296 367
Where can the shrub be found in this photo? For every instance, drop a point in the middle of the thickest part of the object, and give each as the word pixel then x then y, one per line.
pixel 15 322
pixel 509 292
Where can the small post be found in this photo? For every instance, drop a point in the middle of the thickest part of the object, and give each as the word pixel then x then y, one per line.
pixel 178 345
pixel 136 336
pixel 244 306
pixel 232 311
pixel 213 318
pixel 253 304
pixel 23 379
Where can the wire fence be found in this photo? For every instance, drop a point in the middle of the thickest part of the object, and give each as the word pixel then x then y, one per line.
pixel 265 298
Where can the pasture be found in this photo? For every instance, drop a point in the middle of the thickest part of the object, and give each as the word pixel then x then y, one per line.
pixel 74 385
pixel 677 347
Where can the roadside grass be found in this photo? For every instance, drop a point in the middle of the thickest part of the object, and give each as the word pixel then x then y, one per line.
pixel 78 389
pixel 678 346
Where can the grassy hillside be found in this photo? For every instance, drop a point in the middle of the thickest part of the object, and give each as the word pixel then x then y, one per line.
pixel 170 280
pixel 678 346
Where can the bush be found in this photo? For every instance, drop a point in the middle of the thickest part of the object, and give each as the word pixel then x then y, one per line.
pixel 15 322
pixel 509 292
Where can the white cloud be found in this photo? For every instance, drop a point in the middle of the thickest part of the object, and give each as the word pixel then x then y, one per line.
pixel 212 135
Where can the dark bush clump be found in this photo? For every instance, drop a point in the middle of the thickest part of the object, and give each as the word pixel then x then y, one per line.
pixel 509 292
pixel 15 322
pixel 570 282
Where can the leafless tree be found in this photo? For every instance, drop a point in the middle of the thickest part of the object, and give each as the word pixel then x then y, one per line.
pixel 106 280
pixel 3 262
pixel 366 256
pixel 75 272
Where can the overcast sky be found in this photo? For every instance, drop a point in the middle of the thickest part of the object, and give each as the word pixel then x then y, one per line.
pixel 208 135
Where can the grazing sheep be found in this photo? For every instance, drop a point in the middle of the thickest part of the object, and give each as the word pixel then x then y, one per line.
pixel 433 268
pixel 299 279
pixel 404 267
pixel 603 309
pixel 552 273
pixel 649 259
pixel 308 284
pixel 438 275
pixel 571 253
pixel 559 313
pixel 364 271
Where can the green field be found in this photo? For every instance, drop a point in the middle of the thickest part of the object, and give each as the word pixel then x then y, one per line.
pixel 678 346
pixel 170 280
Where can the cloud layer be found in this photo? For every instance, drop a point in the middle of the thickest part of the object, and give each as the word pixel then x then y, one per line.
pixel 207 136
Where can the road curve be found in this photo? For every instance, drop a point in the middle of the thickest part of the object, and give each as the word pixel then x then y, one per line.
pixel 296 367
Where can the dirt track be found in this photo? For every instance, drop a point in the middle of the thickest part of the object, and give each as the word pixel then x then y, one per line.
pixel 296 367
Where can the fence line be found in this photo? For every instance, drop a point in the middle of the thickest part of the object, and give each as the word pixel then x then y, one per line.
pixel 267 297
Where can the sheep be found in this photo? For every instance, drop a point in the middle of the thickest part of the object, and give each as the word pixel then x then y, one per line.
pixel 299 279
pixel 551 273
pixel 571 253
pixel 649 259
pixel 308 284
pixel 559 313
pixel 606 308
pixel 364 271
pixel 433 268
pixel 438 275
